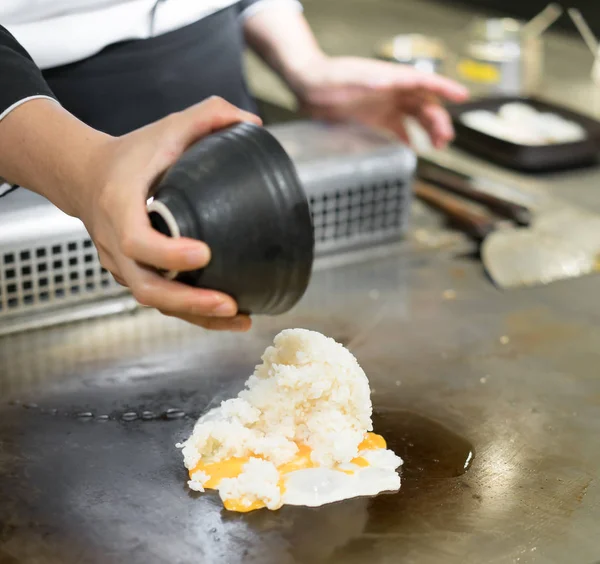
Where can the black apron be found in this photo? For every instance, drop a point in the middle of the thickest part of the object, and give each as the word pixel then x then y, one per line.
pixel 133 83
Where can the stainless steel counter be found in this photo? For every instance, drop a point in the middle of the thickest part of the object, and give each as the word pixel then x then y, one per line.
pixel 512 374
pixel 454 365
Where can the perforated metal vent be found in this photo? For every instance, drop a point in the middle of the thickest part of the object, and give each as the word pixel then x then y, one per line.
pixel 44 276
pixel 359 182
pixel 359 213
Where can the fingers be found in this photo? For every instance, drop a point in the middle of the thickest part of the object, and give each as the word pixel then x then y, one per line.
pixel 152 290
pixel 147 246
pixel 205 308
pixel 239 323
pixel 436 121
pixel 108 263
pixel 408 78
pixel 397 125
pixel 440 86
pixel 174 134
pixel 209 115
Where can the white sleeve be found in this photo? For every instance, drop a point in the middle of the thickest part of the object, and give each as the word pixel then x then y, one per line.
pixel 5 188
pixel 250 8
pixel 18 103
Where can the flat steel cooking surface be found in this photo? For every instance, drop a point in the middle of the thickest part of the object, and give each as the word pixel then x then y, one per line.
pixel 512 377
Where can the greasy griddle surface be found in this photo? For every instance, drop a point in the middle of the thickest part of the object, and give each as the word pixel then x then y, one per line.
pixel 76 489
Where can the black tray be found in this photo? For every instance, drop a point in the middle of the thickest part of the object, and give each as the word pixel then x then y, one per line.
pixel 526 157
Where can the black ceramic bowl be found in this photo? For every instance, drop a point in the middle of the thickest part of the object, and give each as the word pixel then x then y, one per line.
pixel 238 191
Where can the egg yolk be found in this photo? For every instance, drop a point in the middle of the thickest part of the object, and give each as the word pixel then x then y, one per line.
pixel 229 468
pixel 233 467
pixel 242 506
pixel 299 462
pixel 360 461
pixel 372 442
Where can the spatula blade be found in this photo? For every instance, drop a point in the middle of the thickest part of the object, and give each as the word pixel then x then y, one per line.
pixel 523 257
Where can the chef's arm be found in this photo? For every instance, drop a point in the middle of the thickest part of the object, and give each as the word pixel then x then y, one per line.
pixel 42 146
pixel 48 150
pixel 279 33
pixel 105 182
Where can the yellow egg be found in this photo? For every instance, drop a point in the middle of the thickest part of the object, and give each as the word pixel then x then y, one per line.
pixel 233 467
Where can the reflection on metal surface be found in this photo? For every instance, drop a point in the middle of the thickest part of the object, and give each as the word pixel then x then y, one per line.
pixel 44 357
pixel 468 461
pixel 430 451
pixel 88 309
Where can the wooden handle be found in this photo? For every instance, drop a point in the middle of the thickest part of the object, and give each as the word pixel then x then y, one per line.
pixel 462 185
pixel 473 222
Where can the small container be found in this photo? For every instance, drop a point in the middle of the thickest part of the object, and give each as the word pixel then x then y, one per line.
pixel 422 52
pixel 238 191
pixel 500 57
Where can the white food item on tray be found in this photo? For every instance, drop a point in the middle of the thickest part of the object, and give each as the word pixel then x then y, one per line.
pixel 520 123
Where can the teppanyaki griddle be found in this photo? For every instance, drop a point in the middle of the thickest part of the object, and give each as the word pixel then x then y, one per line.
pixel 509 378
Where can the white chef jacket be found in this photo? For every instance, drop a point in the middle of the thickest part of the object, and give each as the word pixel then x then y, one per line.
pixel 58 32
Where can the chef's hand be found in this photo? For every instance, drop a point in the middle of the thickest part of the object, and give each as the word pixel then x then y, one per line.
pixel 105 181
pixel 376 93
pixel 118 222
pixel 379 94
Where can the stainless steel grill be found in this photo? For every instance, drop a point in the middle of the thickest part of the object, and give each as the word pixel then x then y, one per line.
pixel 358 183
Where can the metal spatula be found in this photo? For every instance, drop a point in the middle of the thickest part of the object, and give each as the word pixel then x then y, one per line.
pixel 564 242
pixel 561 244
